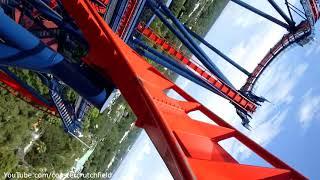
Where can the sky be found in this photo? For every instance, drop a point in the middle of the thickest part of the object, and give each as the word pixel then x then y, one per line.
pixel 287 126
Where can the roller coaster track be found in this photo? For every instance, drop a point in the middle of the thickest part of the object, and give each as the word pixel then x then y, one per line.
pixel 311 8
pixel 127 16
pixel 302 35
pixel 189 148
pixel 304 30
pixel 231 94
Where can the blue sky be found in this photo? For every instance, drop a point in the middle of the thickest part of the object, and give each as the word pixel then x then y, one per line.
pixel 288 126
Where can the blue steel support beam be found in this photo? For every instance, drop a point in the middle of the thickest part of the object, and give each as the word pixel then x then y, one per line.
pixel 289 10
pixel 206 60
pixel 47 1
pixel 29 58
pixel 171 64
pixel 53 16
pixel 282 14
pixel 257 11
pixel 120 8
pixel 10 3
pixel 217 51
pixel 33 55
pixel 188 42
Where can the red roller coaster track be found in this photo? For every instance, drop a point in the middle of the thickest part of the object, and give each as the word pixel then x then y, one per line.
pixel 127 16
pixel 285 42
pixel 232 94
pixel 190 148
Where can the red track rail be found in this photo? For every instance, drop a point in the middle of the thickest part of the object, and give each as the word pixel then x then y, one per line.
pixel 284 43
pixel 189 148
pixel 127 16
pixel 17 90
pixel 314 9
pixel 311 10
pixel 230 93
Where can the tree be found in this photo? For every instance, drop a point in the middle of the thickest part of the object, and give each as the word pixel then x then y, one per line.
pixel 40 147
pixel 8 161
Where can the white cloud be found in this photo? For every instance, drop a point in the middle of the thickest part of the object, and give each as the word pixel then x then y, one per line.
pixel 263 134
pixel 142 162
pixel 250 52
pixel 279 82
pixel 244 19
pixel 313 47
pixel 309 109
pixel 133 171
pixel 268 128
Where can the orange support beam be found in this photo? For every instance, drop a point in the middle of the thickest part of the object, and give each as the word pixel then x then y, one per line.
pixel 232 94
pixel 189 148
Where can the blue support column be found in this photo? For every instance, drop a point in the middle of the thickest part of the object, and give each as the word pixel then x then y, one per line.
pixel 159 58
pixel 171 64
pixel 262 14
pixel 30 53
pixel 53 16
pixel 206 60
pixel 229 60
pixel 282 14
pixel 289 10
pixel 120 8
pixel 187 40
